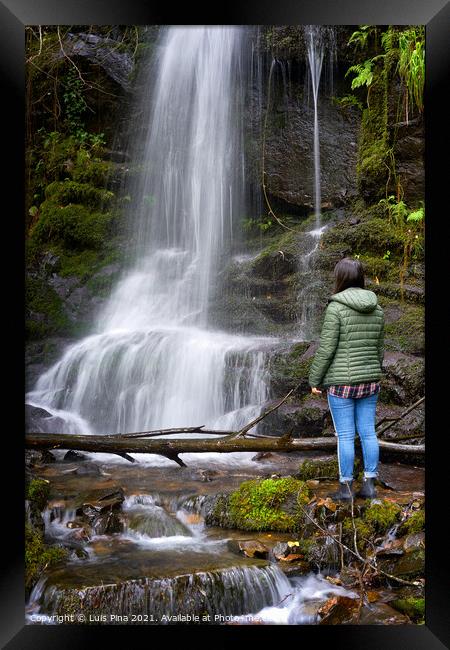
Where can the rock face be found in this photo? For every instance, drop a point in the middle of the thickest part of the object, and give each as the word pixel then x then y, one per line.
pixel 290 154
pixel 102 52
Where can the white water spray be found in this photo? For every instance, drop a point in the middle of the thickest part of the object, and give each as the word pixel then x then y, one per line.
pixel 315 50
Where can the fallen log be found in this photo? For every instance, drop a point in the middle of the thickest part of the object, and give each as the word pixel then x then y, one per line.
pixel 170 448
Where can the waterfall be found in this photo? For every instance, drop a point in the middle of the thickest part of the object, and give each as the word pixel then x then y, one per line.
pixel 152 360
pixel 315 50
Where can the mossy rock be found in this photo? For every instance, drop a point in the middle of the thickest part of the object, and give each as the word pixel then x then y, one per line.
pixel 322 468
pixel 382 515
pixel 412 607
pixel 268 504
pixel 68 191
pixel 37 492
pixel 369 236
pixel 75 226
pixel 414 524
pixel 46 314
pixel 372 170
pixel 287 370
pixel 407 333
pixel 39 556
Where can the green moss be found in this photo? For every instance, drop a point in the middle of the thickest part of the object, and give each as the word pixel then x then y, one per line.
pixel 414 524
pixel 39 556
pixel 373 150
pixel 412 607
pixel 408 332
pixel 270 504
pixel 382 515
pixel 377 266
pixel 42 299
pixel 74 226
pixel 371 236
pixel 37 492
pixel 67 191
pixel 311 469
pixel 364 532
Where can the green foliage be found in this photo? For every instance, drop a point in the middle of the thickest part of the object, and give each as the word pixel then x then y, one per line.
pixel 360 38
pixel 346 101
pixel 416 215
pixel 249 224
pixel 382 515
pixel 74 103
pixel 411 64
pixel 364 74
pixel 258 505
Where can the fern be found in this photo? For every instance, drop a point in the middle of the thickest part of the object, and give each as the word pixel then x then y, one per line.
pixel 364 74
pixel 416 216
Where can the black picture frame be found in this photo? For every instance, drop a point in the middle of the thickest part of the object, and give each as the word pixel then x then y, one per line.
pixel 435 14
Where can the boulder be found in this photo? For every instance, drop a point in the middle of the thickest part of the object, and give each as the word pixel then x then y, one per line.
pixel 248 547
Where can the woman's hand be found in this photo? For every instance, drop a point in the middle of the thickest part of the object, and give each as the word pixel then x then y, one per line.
pixel 316 391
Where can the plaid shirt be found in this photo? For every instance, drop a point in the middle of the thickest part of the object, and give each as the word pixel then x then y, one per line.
pixel 356 391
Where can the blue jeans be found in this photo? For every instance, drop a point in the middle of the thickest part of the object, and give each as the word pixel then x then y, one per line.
pixel 351 415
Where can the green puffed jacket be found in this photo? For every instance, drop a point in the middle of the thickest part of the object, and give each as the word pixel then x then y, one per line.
pixel 351 344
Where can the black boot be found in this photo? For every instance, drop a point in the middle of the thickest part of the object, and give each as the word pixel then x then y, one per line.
pixel 367 490
pixel 344 493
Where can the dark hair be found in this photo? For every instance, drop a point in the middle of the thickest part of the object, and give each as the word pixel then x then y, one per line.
pixel 348 272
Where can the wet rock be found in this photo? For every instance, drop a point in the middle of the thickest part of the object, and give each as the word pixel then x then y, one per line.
pixel 404 379
pixel 72 456
pixel 306 419
pixel 63 286
pixel 394 547
pixel 414 541
pixel 262 455
pixel 297 568
pixel 248 547
pixel 410 565
pixel 289 174
pixel 50 263
pixel 38 420
pixel 88 470
pixel 338 610
pixel 412 293
pixel 379 613
pixel 38 457
pixel 101 511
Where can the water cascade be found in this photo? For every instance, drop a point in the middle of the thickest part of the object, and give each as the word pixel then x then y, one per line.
pixel 318 39
pixel 315 49
pixel 152 360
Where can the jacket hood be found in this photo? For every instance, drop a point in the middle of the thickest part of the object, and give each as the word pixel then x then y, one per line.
pixel 362 300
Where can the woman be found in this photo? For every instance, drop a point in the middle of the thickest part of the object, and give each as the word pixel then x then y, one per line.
pixel 348 362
